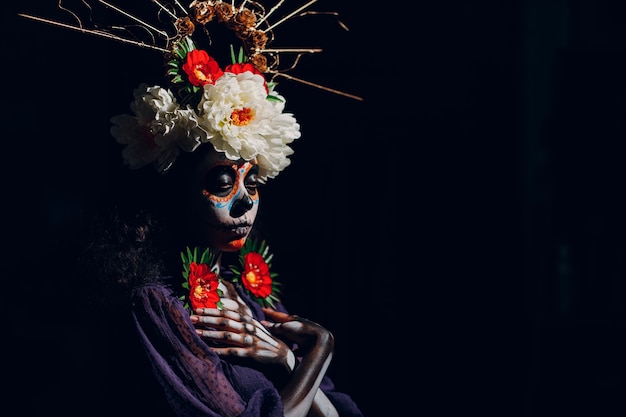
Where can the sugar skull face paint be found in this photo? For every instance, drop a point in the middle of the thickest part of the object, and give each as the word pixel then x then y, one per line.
pixel 226 201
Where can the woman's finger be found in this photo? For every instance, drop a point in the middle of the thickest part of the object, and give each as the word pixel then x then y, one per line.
pixel 225 323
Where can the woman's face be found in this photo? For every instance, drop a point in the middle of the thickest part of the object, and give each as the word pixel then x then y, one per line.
pixel 224 201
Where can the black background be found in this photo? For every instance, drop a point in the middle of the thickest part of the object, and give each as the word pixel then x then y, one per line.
pixel 461 230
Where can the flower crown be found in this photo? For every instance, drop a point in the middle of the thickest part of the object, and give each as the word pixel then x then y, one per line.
pixel 235 109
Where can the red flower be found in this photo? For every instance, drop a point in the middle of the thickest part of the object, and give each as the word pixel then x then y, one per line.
pixel 202 286
pixel 241 68
pixel 201 68
pixel 256 275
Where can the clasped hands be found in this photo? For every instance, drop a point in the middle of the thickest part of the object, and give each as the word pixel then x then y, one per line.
pixel 232 331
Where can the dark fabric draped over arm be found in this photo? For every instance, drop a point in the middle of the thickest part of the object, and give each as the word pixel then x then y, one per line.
pixel 191 374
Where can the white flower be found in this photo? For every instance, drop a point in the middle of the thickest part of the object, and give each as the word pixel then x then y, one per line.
pixel 158 130
pixel 234 114
pixel 241 122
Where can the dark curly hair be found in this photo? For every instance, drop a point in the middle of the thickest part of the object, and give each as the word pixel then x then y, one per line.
pixel 119 253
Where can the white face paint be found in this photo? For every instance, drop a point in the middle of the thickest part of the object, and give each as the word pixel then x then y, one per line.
pixel 225 201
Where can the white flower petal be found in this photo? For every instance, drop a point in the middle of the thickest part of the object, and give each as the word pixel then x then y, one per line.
pixel 264 136
pixel 234 114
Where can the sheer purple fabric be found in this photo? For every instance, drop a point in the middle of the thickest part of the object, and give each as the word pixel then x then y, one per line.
pixel 195 380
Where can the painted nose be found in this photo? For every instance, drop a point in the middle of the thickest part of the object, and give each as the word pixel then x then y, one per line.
pixel 241 205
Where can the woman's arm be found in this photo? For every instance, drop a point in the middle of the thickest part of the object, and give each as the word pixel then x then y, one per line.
pixel 233 332
pixel 322 407
pixel 239 335
pixel 302 396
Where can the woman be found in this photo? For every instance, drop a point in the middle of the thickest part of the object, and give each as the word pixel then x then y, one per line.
pixel 218 340
pixel 237 359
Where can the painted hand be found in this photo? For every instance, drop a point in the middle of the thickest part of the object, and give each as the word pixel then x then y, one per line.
pixel 233 332
pixel 293 329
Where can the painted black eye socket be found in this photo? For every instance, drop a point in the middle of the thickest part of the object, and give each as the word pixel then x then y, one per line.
pixel 220 181
pixel 252 181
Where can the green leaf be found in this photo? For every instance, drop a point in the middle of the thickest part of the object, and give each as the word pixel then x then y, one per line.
pixel 242 56
pixel 273 98
pixel 180 52
pixel 183 47
pixel 232 54
pixel 190 46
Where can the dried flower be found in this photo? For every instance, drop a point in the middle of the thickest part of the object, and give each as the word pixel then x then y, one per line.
pixel 184 26
pixel 203 11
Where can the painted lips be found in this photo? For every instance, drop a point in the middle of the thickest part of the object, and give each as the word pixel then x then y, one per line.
pixel 240 231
